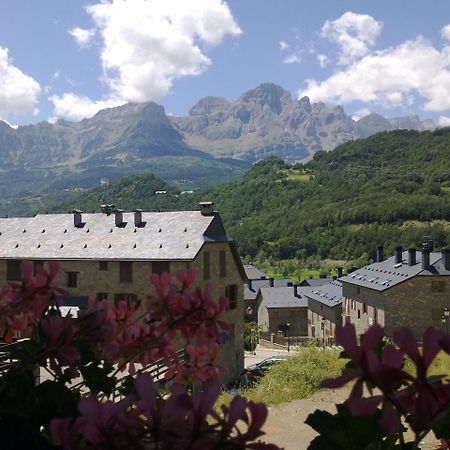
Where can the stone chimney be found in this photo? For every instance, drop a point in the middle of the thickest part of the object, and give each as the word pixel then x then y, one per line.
pixel 271 282
pixel 118 217
pixel 380 253
pixel 77 218
pixel 340 272
pixel 295 290
pixel 411 257
pixel 138 223
pixel 250 284
pixel 206 208
pixel 426 258
pixel 107 209
pixel 398 255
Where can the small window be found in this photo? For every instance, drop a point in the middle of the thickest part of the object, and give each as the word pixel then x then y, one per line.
pixel 222 264
pixel 231 294
pixel 126 272
pixel 206 266
pixel 13 272
pixel 375 315
pixel 160 267
pixel 37 265
pixel 129 298
pixel 364 308
pixel 103 265
pixel 72 279
pixel 101 296
pixel 359 314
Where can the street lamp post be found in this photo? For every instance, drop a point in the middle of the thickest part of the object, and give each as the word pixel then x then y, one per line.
pixel 288 325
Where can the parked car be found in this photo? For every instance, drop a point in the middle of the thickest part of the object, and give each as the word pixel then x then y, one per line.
pixel 259 369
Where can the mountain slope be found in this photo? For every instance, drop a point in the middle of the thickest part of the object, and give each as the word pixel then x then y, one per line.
pixel 391 188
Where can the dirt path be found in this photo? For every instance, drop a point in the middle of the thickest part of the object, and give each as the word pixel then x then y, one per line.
pixel 285 425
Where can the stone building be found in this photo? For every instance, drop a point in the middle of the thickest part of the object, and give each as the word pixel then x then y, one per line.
pixel 324 311
pixel 279 306
pixel 410 288
pixel 111 255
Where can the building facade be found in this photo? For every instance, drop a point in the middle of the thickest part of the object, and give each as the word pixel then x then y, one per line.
pixel 112 256
pixel 410 288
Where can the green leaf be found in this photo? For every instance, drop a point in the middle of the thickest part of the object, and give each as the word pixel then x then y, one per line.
pixel 342 431
pixel 97 379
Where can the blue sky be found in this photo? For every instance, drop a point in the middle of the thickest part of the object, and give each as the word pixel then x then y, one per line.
pixel 68 59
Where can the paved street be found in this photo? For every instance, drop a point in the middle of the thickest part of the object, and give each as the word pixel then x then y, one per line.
pixel 262 353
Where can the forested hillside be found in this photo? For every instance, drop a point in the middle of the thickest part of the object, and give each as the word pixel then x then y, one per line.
pixel 392 188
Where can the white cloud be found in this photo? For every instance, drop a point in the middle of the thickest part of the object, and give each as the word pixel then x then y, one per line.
pixel 444 121
pixel 56 75
pixel 18 92
pixel 292 59
pixel 363 112
pixel 75 107
pixel 283 45
pixel 392 77
pixel 82 36
pixel 354 33
pixel 146 45
pixel 445 32
pixel 322 60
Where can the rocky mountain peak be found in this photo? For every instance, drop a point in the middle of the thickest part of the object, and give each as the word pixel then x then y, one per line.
pixel 270 94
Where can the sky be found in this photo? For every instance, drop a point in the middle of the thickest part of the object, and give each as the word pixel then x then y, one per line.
pixel 69 59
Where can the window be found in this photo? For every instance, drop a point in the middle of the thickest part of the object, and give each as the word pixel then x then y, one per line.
pixel 160 267
pixel 13 272
pixel 231 294
pixel 364 308
pixel 101 296
pixel 206 266
pixel 126 272
pixel 125 296
pixel 375 315
pixel 438 286
pixel 103 265
pixel 36 265
pixel 359 314
pixel 72 279
pixel 222 264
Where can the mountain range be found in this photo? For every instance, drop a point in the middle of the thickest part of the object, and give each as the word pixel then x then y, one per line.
pixel 218 140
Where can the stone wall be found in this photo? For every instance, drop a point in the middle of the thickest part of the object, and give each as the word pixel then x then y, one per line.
pixel 322 320
pixel 92 281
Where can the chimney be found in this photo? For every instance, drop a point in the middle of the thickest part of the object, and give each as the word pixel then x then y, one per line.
pixel 118 213
pixel 446 258
pixel 250 284
pixel 206 208
pixel 411 256
pixel 380 253
pixel 425 258
pixel 138 218
pixel 398 255
pixel 271 282
pixel 351 269
pixel 77 218
pixel 340 272
pixel 107 209
pixel 295 290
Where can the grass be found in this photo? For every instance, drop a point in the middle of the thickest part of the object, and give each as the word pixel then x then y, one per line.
pixel 298 377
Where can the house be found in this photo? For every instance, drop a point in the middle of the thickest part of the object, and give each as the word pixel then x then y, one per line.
pixel 251 289
pixel 324 311
pixel 111 255
pixel 282 309
pixel 410 288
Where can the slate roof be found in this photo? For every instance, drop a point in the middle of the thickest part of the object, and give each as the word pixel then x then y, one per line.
pixel 165 236
pixel 253 273
pixel 283 297
pixel 329 294
pixel 250 294
pixel 381 276
pixel 316 281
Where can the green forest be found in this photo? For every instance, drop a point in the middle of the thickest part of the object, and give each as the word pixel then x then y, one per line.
pixel 392 188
